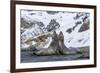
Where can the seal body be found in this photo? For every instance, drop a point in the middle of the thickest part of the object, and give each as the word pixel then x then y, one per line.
pixel 56 47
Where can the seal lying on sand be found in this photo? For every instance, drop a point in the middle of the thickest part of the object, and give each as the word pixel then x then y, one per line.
pixel 57 46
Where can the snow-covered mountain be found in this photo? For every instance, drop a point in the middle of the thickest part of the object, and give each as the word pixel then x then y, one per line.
pixel 35 24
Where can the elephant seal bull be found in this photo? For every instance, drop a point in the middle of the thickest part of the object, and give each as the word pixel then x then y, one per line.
pixel 63 49
pixel 56 47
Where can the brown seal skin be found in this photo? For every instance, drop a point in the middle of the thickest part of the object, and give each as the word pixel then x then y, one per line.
pixel 56 47
pixel 63 48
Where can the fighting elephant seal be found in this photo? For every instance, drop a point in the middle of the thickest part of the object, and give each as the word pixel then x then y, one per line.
pixel 57 46
pixel 63 49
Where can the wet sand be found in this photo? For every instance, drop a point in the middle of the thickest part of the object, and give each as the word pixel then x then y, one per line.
pixel 27 57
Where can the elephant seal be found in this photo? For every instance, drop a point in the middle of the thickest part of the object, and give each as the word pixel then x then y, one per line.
pixel 63 49
pixel 56 47
pixel 53 47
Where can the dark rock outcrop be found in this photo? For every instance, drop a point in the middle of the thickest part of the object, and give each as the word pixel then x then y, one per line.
pixel 84 27
pixel 52 12
pixel 73 28
pixel 53 25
